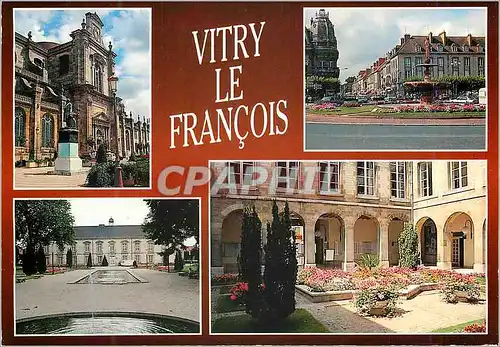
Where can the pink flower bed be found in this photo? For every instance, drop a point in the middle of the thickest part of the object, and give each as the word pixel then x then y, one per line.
pixel 450 108
pixel 318 279
pixel 162 268
pixel 224 278
pixel 324 106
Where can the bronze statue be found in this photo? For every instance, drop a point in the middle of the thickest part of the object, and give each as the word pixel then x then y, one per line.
pixel 427 46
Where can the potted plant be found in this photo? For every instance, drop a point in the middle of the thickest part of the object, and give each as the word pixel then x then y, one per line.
pixel 376 299
pixel 460 288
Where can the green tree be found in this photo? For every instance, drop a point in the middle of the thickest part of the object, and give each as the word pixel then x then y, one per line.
pixel 69 258
pixel 101 154
pixel 409 254
pixel 171 222
pixel 89 261
pixel 280 273
pixel 104 261
pixel 41 262
pixel 250 269
pixel 39 223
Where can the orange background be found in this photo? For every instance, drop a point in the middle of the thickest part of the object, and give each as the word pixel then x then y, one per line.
pixel 181 85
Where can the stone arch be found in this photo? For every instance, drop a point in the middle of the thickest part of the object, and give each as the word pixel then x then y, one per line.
pixel 427 232
pixel 231 237
pixel 329 238
pixel 395 227
pixel 366 235
pixel 398 215
pixel 459 231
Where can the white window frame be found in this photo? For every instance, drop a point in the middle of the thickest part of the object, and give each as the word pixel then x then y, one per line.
pixel 87 246
pixel 332 177
pixel 399 179
pixel 290 181
pixel 99 247
pixel 368 176
pixel 239 172
pixel 112 249
pixel 425 182
pixel 458 174
pixel 137 246
pixel 124 247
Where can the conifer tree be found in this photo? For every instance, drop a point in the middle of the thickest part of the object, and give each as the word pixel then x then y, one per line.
pixel 89 261
pixel 69 258
pixel 29 260
pixel 104 261
pixel 409 254
pixel 250 260
pixel 41 262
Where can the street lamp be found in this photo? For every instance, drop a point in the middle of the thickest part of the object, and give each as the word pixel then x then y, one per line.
pixel 113 82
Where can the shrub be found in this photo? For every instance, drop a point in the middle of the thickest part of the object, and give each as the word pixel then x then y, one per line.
pixel 409 254
pixel 101 154
pixel 142 173
pixel 178 263
pixel 89 261
pixel 475 328
pixel 129 170
pixel 368 261
pixel 69 258
pixel 29 260
pixel 41 262
pixel 101 175
pixel 451 287
pixel 132 157
pixel 104 261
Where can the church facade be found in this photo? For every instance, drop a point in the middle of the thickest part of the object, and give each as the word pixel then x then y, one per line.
pixel 321 53
pixel 79 72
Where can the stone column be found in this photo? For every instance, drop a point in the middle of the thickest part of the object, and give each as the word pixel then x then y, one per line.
pixel 383 242
pixel 349 263
pixel 309 243
pixel 479 259
pixel 37 131
pixel 444 247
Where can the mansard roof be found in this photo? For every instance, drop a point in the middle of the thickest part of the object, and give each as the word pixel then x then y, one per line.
pixel 109 232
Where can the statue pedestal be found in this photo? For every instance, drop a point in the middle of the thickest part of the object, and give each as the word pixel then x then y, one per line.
pixel 68 162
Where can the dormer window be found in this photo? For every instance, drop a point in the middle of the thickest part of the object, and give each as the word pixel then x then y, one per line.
pixel 466 48
pixel 440 48
pixel 418 48
pixel 479 49
pixel 454 47
pixel 38 62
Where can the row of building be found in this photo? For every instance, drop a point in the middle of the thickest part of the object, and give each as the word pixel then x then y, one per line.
pixel 449 55
pixel 347 209
pixel 78 71
pixel 118 243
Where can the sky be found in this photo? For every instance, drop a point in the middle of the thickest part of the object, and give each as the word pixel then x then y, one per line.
pixel 129 32
pixel 124 211
pixel 365 34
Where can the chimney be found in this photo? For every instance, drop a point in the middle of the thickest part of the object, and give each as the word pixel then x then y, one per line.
pixel 442 36
pixel 402 40
pixel 407 37
pixel 469 39
pixel 101 225
pixel 429 37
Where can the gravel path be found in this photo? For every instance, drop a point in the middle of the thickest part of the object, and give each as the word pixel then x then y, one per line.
pixel 165 293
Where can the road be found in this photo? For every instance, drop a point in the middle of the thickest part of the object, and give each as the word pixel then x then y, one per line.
pixel 322 136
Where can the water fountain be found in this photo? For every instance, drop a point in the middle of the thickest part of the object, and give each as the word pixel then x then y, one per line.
pixel 426 88
pixel 94 322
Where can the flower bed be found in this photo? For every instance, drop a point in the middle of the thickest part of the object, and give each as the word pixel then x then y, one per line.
pixel 449 108
pixel 324 106
pixel 460 288
pixel 224 279
pixel 475 328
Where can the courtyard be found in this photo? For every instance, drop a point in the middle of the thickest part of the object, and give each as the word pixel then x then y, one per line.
pixel 158 293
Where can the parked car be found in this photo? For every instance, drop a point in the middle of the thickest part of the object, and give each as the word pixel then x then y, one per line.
pixel 129 262
pixel 462 100
pixel 362 99
pixel 391 100
pixel 330 99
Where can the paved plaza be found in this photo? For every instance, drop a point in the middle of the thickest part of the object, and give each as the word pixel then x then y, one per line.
pixel 40 178
pixel 164 293
pixel 422 314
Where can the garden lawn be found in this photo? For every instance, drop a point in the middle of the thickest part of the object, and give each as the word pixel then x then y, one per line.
pixel 225 304
pixel 301 321
pixel 341 110
pixel 457 328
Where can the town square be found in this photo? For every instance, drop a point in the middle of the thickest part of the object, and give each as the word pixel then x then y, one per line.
pixel 135 273
pixel 417 80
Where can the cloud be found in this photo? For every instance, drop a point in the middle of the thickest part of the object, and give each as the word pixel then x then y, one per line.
pixel 365 34
pixel 128 31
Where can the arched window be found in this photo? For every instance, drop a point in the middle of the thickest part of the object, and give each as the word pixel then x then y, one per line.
pixel 98 77
pixel 19 128
pixel 453 47
pixel 127 140
pixel 47 130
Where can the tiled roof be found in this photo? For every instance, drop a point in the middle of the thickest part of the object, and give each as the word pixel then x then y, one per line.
pixel 108 232
pixel 459 41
